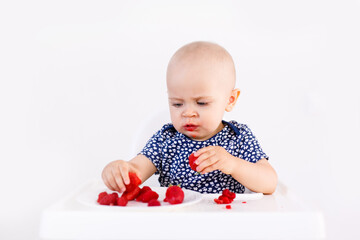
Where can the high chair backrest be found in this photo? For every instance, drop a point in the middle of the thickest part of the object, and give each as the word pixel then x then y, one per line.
pixel 149 126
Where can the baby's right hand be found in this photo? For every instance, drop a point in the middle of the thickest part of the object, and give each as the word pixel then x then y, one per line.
pixel 116 175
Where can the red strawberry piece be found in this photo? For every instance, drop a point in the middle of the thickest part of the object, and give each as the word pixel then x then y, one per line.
pixel 192 163
pixel 153 202
pixel 135 181
pixel 228 194
pixel 115 195
pixel 101 195
pixel 109 199
pixel 228 206
pixel 142 191
pixel 131 195
pixel 149 195
pixel 122 201
pixel 225 199
pixel 174 195
pixel 145 189
pixel 218 201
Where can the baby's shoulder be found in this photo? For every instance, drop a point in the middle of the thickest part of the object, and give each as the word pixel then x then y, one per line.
pixel 239 128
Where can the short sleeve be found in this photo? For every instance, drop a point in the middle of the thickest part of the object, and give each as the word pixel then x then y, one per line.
pixel 250 149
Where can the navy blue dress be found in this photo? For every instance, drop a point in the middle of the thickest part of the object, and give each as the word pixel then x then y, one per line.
pixel 169 151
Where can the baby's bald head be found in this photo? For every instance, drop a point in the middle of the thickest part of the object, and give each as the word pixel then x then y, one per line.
pixel 206 56
pixel 200 82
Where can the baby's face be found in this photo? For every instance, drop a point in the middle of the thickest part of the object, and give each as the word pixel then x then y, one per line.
pixel 198 97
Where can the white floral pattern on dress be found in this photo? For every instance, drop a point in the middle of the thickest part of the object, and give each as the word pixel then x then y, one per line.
pixel 169 151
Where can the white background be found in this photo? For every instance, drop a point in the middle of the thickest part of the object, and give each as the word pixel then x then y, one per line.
pixel 78 77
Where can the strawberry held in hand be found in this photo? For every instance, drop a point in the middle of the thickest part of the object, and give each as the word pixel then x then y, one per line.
pixel 132 189
pixel 192 163
pixel 174 195
pixel 135 181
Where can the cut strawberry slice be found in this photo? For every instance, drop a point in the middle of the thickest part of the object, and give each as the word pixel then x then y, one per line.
pixel 101 195
pixel 109 199
pixel 131 195
pixel 228 193
pixel 226 197
pixel 145 189
pixel 149 195
pixel 153 202
pixel 122 201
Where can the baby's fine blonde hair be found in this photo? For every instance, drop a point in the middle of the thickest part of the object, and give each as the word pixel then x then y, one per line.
pixel 205 51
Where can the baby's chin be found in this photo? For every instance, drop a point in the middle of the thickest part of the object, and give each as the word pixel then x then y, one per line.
pixel 196 136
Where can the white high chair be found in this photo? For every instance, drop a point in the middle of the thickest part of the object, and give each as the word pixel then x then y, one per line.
pixel 282 215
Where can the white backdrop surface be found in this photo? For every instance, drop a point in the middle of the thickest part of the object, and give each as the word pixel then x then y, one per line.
pixel 78 77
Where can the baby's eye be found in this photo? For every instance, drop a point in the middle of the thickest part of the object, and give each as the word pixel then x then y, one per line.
pixel 202 103
pixel 177 104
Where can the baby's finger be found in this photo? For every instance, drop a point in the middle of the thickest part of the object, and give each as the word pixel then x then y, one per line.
pixel 207 162
pixel 106 182
pixel 210 168
pixel 105 177
pixel 118 180
pixel 124 170
pixel 111 183
pixel 204 156
pixel 202 150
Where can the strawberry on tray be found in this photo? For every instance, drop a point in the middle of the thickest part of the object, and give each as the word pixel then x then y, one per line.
pixel 143 197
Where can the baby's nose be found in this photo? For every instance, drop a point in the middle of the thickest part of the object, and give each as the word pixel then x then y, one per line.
pixel 189 112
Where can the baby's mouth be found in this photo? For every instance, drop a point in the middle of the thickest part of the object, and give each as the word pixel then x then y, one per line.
pixel 190 127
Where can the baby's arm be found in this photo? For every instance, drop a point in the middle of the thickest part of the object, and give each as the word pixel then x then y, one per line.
pixel 116 174
pixel 258 177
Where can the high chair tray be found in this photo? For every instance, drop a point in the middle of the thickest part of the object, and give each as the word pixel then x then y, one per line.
pixel 252 216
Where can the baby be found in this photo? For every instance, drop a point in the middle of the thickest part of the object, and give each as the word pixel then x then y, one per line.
pixel 201 87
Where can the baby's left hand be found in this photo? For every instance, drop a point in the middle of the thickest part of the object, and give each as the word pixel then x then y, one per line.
pixel 214 158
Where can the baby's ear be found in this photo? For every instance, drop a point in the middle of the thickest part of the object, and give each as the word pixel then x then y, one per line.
pixel 232 100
